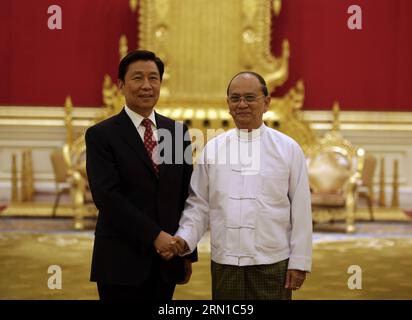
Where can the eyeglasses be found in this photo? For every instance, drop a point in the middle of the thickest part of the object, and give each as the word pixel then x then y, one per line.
pixel 247 99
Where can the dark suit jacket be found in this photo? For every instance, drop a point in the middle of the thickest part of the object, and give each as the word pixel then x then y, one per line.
pixel 134 204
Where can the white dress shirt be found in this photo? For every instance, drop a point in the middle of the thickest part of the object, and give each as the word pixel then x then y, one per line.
pixel 137 121
pixel 258 211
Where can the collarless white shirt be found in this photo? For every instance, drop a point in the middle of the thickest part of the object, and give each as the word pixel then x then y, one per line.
pixel 137 121
pixel 259 214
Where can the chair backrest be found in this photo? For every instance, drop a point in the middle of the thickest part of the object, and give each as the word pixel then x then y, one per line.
pixel 329 171
pixel 369 166
pixel 332 163
pixel 60 167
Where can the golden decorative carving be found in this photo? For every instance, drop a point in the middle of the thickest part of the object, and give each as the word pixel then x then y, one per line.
pixel 367 183
pixel 395 185
pixel 256 45
pixel 133 5
pixel 68 119
pixel 23 177
pixel 382 199
pixel 14 179
pixel 123 47
pixel 26 176
pixel 276 6
pixel 113 100
pixel 61 174
pixel 162 8
pixel 30 177
pixel 287 117
pixel 154 31
pixel 74 155
pixel 335 123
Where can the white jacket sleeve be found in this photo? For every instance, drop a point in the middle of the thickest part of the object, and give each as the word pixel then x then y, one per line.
pixel 301 213
pixel 195 217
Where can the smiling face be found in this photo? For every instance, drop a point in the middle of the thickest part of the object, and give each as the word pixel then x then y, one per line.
pixel 141 86
pixel 247 115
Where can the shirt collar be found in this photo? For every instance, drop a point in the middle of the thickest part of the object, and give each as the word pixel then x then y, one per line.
pixel 137 118
pixel 244 134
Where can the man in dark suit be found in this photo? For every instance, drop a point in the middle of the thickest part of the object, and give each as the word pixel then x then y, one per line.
pixel 139 199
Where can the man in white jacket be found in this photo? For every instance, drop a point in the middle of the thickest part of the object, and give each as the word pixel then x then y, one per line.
pixel 250 186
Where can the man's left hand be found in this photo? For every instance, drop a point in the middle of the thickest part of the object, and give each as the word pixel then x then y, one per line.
pixel 188 271
pixel 294 279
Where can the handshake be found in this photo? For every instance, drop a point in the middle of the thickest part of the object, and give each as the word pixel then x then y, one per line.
pixel 168 246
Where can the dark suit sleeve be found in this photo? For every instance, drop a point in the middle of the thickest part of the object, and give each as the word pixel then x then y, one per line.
pixel 104 180
pixel 187 174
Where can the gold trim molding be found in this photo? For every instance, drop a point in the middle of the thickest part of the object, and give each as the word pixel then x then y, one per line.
pixel 46 116
pixel 319 120
pixel 360 120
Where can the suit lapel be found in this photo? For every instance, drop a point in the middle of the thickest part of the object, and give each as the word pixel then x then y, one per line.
pixel 129 134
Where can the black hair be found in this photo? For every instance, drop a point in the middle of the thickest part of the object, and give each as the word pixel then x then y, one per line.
pixel 257 76
pixel 136 55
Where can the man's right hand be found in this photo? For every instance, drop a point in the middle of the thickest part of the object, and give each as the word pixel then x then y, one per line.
pixel 168 246
pixel 165 245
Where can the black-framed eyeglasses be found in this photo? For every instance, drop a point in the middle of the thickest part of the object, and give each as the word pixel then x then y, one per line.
pixel 250 98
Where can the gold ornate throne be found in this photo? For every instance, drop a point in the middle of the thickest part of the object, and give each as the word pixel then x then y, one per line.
pixel 335 168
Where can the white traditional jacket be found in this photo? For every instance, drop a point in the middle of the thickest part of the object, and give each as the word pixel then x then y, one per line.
pixel 252 189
